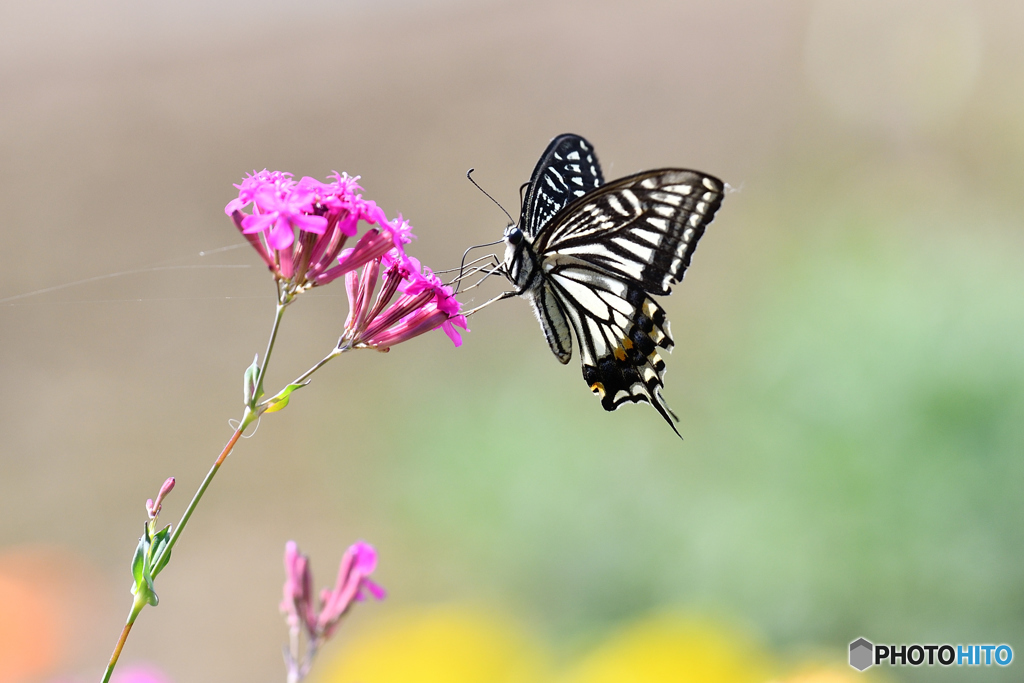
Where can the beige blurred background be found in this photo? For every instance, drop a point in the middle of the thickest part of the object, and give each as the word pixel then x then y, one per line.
pixel 849 367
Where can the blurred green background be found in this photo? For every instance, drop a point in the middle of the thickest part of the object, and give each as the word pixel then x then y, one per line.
pixel 849 366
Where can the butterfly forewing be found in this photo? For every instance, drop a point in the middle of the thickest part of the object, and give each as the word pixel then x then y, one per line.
pixel 567 170
pixel 643 228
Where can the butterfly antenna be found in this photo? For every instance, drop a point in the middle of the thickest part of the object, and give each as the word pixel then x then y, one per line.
pixel 469 175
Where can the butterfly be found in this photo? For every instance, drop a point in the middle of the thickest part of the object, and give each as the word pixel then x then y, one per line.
pixel 588 256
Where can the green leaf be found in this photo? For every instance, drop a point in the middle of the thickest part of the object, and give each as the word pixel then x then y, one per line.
pixel 249 384
pixel 147 589
pixel 162 538
pixel 162 535
pixel 151 597
pixel 141 569
pixel 139 563
pixel 281 400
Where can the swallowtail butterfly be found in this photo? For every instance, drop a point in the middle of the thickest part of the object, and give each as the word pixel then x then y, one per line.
pixel 588 256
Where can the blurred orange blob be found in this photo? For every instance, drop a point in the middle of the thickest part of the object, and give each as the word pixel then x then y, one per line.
pixel 49 598
pixel 438 645
pixel 29 631
pixel 669 649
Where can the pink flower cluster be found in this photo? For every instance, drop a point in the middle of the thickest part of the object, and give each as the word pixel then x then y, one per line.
pixel 352 585
pixel 424 303
pixel 300 227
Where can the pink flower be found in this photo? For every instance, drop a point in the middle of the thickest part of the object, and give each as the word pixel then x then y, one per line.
pixel 300 227
pixel 280 211
pixel 424 303
pixel 153 508
pixel 252 183
pixel 352 584
pixel 297 603
pixel 371 245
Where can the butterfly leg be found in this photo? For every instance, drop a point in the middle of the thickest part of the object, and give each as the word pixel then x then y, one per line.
pixel 503 295
pixel 479 282
pixel 491 267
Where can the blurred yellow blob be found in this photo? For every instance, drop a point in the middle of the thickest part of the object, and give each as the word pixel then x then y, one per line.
pixel 826 675
pixel 457 644
pixel 29 632
pixel 670 649
pixel 438 645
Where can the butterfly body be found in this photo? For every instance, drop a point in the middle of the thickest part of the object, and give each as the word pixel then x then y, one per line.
pixel 589 255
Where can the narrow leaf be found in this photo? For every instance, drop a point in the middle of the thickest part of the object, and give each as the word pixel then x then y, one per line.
pixel 139 564
pixel 281 400
pixel 249 382
pixel 162 538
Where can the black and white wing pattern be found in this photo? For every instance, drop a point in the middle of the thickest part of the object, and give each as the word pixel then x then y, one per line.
pixel 601 256
pixel 567 170
pixel 643 228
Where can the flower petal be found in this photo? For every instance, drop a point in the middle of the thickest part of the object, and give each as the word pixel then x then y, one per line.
pixel 452 333
pixel 366 557
pixel 280 236
pixel 257 222
pixel 316 224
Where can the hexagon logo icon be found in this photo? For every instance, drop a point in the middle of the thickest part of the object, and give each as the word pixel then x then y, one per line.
pixel 861 651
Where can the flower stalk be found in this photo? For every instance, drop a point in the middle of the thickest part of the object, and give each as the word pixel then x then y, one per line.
pixel 299 229
pixel 137 606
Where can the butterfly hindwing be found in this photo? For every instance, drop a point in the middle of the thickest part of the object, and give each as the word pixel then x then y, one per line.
pixel 619 329
pixel 567 170
pixel 549 312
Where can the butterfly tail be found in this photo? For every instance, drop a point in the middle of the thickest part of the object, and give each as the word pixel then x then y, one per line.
pixel 635 371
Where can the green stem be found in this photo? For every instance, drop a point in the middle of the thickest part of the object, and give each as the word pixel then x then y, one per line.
pixel 140 601
pixel 278 314
pixel 337 351
pixel 137 606
pixel 248 417
pixel 202 488
pixel 308 373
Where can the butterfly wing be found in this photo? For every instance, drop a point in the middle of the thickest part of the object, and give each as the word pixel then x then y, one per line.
pixel 567 170
pixel 642 228
pixel 605 253
pixel 619 329
pixel 551 314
